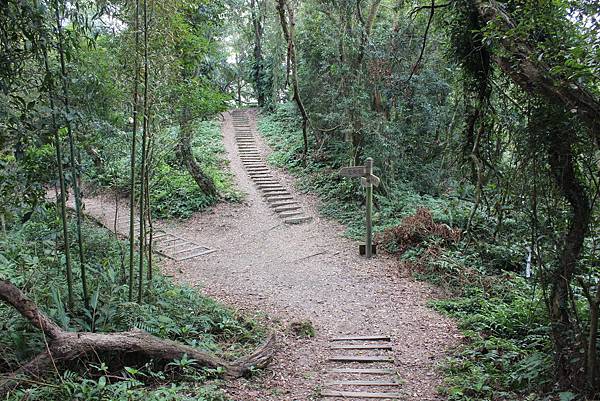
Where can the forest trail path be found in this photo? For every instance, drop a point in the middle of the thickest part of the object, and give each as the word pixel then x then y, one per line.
pixel 309 272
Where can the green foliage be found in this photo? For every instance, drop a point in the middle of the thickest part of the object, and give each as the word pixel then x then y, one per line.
pixel 507 352
pixel 173 192
pixel 342 197
pixel 30 259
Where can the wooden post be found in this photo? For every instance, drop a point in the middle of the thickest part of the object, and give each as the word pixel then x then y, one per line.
pixel 369 223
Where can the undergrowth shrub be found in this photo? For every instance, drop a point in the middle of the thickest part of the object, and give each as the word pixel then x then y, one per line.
pixel 32 258
pixel 173 192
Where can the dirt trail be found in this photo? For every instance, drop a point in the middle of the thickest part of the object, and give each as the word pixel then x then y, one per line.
pixel 307 272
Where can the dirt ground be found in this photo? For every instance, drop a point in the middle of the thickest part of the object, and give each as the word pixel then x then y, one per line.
pixel 288 273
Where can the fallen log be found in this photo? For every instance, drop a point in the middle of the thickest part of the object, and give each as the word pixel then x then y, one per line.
pixel 63 346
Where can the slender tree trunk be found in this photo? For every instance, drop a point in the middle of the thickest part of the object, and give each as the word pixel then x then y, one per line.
pixel 133 150
pixel 143 189
pixel 288 26
pixel 257 24
pixel 186 155
pixel 61 179
pixel 150 230
pixel 73 157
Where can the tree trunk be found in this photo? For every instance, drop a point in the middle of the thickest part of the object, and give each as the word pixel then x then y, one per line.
pixel 288 26
pixel 66 347
pixel 135 106
pixel 563 333
pixel 186 156
pixel 257 23
pixel 74 161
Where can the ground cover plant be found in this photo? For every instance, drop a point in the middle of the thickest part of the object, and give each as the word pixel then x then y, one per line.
pixel 31 260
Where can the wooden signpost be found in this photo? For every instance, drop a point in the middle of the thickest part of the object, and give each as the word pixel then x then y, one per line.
pixel 367 180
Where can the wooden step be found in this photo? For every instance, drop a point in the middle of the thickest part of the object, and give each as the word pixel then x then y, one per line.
pixel 367 346
pixel 361 383
pixel 363 371
pixel 279 198
pixel 361 359
pixel 362 338
pixel 284 203
pixel 278 193
pixel 359 394
pixel 297 220
pixel 286 208
pixel 292 213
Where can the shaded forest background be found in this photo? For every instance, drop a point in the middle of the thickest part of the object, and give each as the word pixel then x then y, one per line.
pixel 483 119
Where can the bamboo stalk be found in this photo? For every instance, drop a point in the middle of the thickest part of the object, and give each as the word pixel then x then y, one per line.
pixel 133 139
pixel 74 163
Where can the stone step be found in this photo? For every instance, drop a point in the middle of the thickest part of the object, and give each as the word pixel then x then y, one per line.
pixel 297 220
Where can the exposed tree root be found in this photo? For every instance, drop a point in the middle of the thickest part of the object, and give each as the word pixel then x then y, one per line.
pixel 64 346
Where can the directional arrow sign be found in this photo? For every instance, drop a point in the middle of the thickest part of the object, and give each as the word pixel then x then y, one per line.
pixel 357 171
pixel 370 180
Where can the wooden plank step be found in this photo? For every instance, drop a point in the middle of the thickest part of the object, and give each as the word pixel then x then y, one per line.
pixel 163 248
pixel 271 181
pixel 363 371
pixel 278 193
pixel 361 383
pixel 359 394
pixel 292 213
pixel 277 188
pixel 362 338
pixel 166 238
pixel 286 208
pixel 361 359
pixel 269 187
pixel 193 248
pixel 297 220
pixel 284 203
pixel 204 252
pixel 279 198
pixel 367 346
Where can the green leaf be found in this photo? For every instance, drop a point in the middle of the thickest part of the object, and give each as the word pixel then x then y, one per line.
pixel 567 396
